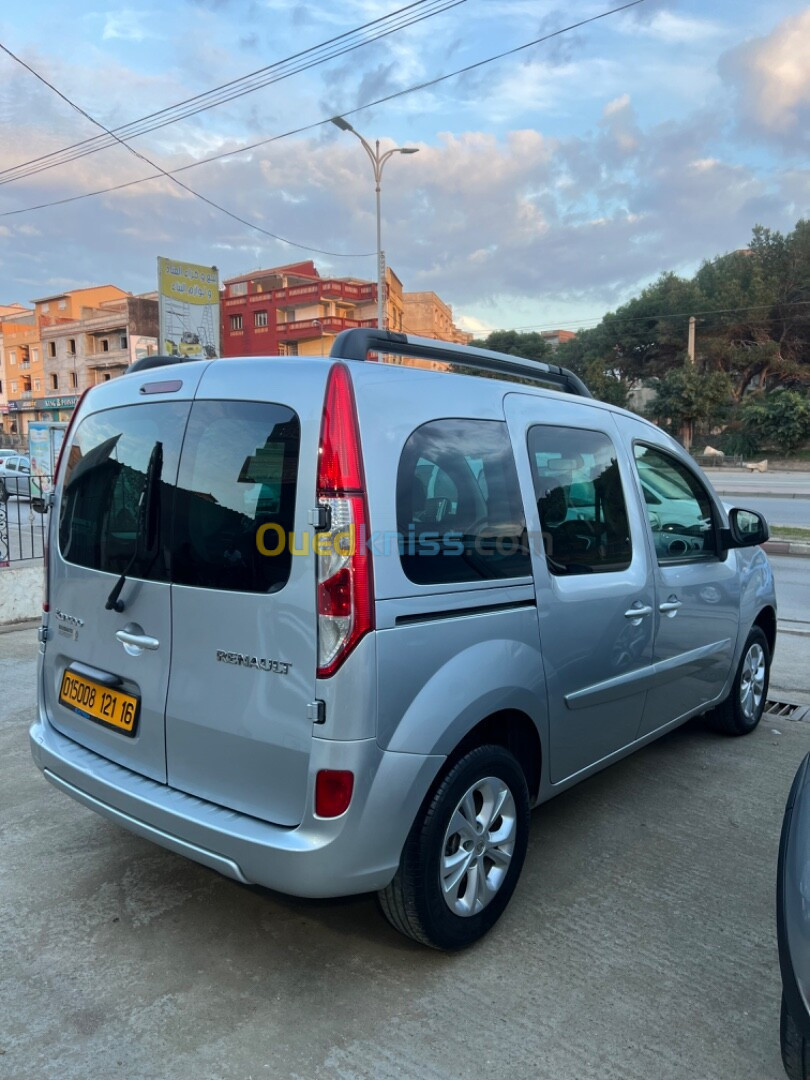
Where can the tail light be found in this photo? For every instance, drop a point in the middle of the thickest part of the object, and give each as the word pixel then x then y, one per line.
pixel 345 598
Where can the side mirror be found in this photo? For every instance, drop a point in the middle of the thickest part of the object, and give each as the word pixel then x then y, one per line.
pixel 747 528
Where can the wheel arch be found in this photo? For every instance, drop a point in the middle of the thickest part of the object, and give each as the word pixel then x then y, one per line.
pixel 516 732
pixel 766 621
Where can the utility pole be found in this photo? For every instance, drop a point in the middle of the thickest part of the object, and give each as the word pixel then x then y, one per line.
pixel 686 433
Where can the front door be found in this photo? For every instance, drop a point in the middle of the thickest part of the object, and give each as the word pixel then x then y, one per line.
pixel 594 584
pixel 697 585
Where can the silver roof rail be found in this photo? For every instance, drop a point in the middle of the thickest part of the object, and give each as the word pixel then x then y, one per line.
pixel 357 344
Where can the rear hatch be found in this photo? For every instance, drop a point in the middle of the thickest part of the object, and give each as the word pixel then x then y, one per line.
pixel 230 595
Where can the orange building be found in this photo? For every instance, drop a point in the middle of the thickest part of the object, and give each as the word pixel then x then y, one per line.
pixel 22 354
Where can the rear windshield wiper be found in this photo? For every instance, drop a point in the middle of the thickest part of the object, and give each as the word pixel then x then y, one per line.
pixel 146 536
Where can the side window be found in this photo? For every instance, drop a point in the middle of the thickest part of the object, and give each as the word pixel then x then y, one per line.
pixel 459 511
pixel 583 515
pixel 679 508
pixel 235 504
pixel 112 457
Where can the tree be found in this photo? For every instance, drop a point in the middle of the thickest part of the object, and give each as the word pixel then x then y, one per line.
pixel 686 396
pixel 780 419
pixel 531 346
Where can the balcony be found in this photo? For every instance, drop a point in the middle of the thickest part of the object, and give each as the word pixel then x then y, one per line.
pixel 303 329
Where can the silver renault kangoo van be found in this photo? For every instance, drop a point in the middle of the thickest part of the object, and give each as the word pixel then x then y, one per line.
pixel 337 624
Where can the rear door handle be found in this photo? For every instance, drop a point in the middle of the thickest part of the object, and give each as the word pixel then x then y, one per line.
pixel 638 613
pixel 136 641
pixel 669 607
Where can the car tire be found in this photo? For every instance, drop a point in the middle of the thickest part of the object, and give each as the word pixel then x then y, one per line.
pixel 795 1047
pixel 3 492
pixel 464 853
pixel 742 710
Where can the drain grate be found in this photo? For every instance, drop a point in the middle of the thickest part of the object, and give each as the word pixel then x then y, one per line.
pixel 784 709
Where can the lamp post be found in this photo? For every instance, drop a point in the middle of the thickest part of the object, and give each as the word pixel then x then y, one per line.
pixel 378 161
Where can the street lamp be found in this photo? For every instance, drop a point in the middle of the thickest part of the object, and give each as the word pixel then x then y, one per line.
pixel 378 160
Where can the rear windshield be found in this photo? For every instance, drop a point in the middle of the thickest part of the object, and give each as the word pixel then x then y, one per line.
pixel 215 514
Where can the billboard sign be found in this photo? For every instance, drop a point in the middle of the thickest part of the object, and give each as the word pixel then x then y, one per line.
pixel 189 308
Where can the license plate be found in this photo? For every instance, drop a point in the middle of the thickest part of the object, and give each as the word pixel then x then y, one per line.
pixel 113 708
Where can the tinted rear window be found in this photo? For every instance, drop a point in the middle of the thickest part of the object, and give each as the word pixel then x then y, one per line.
pixel 235 500
pixel 105 481
pixel 459 510
pixel 223 511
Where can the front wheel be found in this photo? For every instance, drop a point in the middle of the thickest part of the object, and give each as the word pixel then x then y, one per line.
pixel 742 710
pixel 464 853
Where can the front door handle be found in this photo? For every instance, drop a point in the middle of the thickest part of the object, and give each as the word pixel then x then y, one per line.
pixel 670 607
pixel 637 613
pixel 133 643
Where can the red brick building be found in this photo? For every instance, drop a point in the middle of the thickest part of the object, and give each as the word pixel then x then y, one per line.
pixel 292 310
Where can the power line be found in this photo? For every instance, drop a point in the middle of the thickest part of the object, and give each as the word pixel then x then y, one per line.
pixel 163 172
pixel 581 323
pixel 318 123
pixel 237 88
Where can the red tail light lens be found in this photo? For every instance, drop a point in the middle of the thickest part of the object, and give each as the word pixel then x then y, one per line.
pixel 345 597
pixel 333 792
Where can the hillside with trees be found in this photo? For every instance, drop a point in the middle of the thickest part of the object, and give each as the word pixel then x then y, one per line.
pixel 749 382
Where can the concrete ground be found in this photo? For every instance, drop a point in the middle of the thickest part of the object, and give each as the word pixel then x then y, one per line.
pixel 640 943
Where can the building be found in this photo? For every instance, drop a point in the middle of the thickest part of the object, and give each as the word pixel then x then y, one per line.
pixel 69 341
pixel 292 310
pixel 555 338
pixel 426 315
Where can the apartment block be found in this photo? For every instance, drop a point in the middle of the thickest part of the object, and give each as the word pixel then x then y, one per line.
pixel 67 342
pixel 426 315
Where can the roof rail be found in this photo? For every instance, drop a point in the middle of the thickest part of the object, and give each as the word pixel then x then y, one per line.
pixel 147 362
pixel 357 344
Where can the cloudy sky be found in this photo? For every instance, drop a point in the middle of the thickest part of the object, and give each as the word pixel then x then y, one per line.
pixel 550 185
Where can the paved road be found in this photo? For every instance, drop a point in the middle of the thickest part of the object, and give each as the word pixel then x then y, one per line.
pixel 640 943
pixel 777 511
pixel 792 484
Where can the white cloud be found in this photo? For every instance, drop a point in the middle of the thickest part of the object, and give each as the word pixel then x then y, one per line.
pixel 674 29
pixel 771 76
pixel 128 25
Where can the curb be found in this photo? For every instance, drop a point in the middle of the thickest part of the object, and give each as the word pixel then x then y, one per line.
pixel 786 547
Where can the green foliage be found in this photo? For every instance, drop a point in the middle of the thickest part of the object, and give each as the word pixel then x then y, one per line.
pixel 531 346
pixel 688 396
pixel 780 419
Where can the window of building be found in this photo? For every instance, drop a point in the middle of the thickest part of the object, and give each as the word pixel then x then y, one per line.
pixel 54 382
pixel 35 356
pixel 37 384
pixel 1 386
pixel 14 385
pixel 679 509
pixel 46 308
pixel 105 345
pixel 583 515
pixel 123 340
pixel 236 322
pixel 52 349
pixel 62 305
pixel 71 346
pixel 239 288
pixel 260 318
pixel 459 510
pixel 74 381
pixel 105 377
pixel 12 357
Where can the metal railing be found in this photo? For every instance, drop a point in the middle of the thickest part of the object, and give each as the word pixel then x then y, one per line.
pixel 23 521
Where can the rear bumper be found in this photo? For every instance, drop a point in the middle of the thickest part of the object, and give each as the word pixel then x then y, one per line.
pixel 355 853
